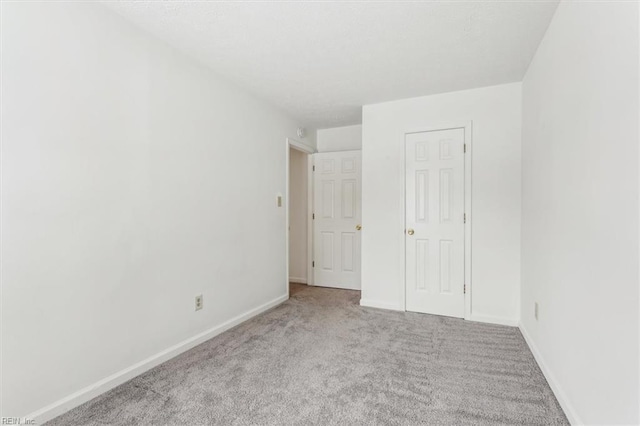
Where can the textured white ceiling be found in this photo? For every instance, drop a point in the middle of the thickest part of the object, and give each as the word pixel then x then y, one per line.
pixel 321 61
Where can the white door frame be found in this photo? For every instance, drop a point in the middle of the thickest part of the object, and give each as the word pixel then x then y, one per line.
pixel 468 128
pixel 299 146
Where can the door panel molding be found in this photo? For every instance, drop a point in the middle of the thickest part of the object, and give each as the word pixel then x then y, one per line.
pixel 291 143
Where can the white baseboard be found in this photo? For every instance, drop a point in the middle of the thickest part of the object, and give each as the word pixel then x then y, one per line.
pixel 83 395
pixel 380 305
pixel 297 280
pixel 495 320
pixel 568 409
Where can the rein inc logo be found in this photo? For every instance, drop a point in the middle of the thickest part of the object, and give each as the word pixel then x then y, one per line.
pixel 16 421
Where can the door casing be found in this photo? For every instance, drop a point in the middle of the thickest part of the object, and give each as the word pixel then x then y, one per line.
pixel 292 143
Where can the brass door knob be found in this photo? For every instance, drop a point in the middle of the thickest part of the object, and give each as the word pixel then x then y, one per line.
pixel 410 231
pixel 358 227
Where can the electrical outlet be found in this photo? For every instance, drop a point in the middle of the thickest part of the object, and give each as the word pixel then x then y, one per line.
pixel 199 302
pixel 535 310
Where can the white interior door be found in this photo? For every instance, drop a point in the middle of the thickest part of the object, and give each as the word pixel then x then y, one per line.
pixel 435 222
pixel 337 213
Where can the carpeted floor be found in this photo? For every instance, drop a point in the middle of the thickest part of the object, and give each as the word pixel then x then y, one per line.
pixel 321 359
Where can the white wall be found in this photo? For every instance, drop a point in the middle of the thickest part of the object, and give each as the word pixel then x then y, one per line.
pixel 495 215
pixel 133 179
pixel 298 216
pixel 345 138
pixel 580 210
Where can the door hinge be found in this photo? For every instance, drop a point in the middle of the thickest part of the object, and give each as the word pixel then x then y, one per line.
pixel 464 289
pixel 313 264
pixel 464 218
pixel 313 216
pixel 465 148
pixel 314 168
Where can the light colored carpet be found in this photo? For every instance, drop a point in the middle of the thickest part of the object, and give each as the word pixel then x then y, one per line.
pixel 321 359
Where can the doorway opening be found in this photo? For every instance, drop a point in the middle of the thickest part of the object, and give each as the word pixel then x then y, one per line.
pixel 323 218
pixel 299 215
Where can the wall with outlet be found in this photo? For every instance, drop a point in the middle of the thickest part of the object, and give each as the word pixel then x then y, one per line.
pixel 135 179
pixel 580 210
